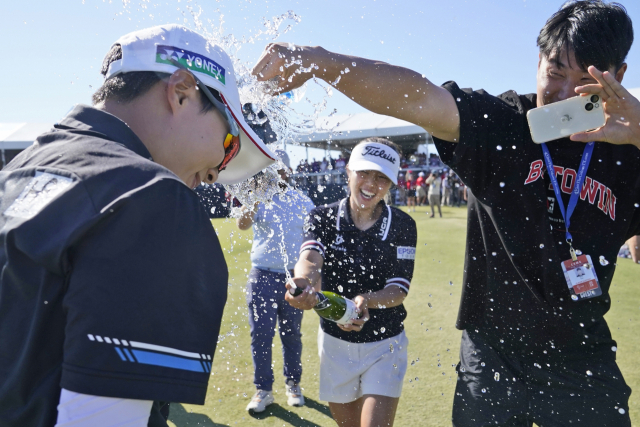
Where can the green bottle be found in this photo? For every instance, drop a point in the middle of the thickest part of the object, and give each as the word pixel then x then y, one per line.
pixel 331 306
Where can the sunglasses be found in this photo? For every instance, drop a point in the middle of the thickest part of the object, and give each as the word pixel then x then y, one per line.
pixel 232 140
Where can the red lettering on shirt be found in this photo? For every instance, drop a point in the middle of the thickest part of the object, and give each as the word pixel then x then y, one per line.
pixel 535 171
pixel 568 186
pixel 590 188
pixel 609 204
pixel 559 171
pixel 589 191
pixel 603 196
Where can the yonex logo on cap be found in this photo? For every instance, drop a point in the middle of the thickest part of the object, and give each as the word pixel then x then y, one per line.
pixel 372 150
pixel 191 60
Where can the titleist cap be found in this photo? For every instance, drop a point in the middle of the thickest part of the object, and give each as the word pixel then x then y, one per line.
pixel 157 48
pixel 376 157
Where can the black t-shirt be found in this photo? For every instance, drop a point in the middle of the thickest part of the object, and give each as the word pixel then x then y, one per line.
pixel 113 280
pixel 514 288
pixel 357 262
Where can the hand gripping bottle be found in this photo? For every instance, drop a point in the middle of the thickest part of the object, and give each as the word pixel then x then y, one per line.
pixel 331 306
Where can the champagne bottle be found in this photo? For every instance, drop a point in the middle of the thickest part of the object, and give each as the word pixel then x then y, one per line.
pixel 331 306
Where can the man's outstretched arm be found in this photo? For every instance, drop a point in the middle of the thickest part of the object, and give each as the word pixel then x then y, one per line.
pixel 377 86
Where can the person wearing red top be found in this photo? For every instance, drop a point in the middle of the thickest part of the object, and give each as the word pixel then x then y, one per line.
pixel 410 185
pixel 421 189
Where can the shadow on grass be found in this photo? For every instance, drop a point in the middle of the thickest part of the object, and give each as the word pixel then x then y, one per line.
pixel 277 411
pixel 181 418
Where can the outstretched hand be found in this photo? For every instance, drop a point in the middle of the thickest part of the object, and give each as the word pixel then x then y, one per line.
pixel 285 63
pixel 621 109
pixel 306 300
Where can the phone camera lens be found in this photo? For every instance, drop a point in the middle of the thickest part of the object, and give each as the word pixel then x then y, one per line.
pixel 595 98
pixel 588 107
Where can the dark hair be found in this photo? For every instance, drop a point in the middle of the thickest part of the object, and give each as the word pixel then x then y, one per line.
pixel 599 33
pixel 128 86
pixel 383 141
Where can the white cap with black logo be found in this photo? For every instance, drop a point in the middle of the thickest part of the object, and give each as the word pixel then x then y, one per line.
pixel 377 157
pixel 160 48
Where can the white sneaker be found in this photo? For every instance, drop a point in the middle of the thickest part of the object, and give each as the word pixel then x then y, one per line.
pixel 294 394
pixel 260 401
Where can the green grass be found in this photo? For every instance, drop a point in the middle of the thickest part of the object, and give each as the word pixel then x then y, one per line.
pixel 433 350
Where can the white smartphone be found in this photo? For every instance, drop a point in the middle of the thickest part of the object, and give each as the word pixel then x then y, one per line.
pixel 564 118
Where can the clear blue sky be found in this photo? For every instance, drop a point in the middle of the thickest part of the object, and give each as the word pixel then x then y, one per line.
pixel 52 50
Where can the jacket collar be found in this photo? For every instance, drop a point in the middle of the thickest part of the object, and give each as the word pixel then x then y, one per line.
pixel 105 125
pixel 379 229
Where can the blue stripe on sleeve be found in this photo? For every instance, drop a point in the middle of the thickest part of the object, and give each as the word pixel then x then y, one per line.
pixel 121 354
pixel 168 361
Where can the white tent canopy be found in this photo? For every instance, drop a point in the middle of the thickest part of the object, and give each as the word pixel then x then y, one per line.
pixel 344 131
pixel 18 136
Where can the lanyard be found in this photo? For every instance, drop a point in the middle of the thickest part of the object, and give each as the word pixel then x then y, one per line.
pixel 577 188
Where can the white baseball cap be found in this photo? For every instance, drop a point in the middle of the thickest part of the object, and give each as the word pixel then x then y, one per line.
pixel 377 157
pixel 165 49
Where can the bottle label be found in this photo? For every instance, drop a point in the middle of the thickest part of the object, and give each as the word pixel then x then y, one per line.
pixel 349 314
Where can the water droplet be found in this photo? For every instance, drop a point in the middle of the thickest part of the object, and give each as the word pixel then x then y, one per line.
pixel 481 363
pixel 496 377
pixel 486 116
pixel 541 245
pixel 340 288
pixel 353 63
pixel 502 184
pixel 484 390
pixel 618 163
pixel 614 348
pixel 395 366
pixel 578 252
pixel 382 329
pixel 416 378
pixel 574 297
pixel 450 283
pixel 621 411
pixel 429 304
pixel 493 253
pixel 499 147
pixel 274 305
pixel 513 146
pixel 589 373
pixel 603 261
pixel 637 205
pixel 462 369
pixel 458 99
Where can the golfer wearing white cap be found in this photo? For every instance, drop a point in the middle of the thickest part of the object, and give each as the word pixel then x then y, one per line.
pixel 114 281
pixel 364 250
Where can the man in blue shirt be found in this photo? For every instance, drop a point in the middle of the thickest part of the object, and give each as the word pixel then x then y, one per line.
pixel 277 235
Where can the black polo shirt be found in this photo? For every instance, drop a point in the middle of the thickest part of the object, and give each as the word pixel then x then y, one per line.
pixel 514 290
pixel 113 280
pixel 357 262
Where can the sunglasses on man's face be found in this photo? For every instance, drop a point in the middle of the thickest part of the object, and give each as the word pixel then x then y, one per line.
pixel 232 140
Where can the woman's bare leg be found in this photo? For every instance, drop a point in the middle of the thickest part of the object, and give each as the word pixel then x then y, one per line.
pixel 371 410
pixel 378 411
pixel 347 414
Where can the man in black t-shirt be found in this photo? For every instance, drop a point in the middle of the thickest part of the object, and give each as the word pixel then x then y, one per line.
pixel 535 346
pixel 113 281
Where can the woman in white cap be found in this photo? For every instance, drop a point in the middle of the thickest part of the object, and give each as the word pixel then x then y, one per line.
pixel 364 250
